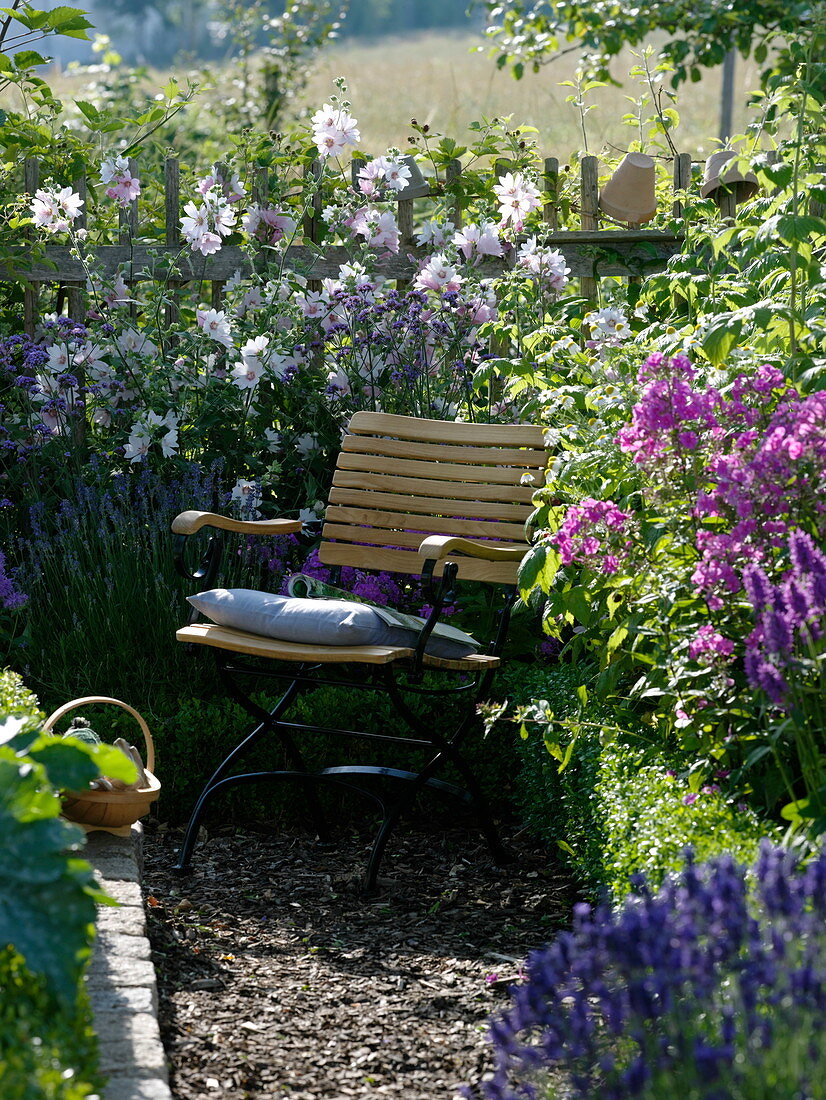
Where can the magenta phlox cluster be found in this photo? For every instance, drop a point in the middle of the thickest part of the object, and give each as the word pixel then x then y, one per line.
pixel 709 645
pixel 775 473
pixel 672 416
pixel 717 573
pixel 753 459
pixel 590 533
pixel 790 617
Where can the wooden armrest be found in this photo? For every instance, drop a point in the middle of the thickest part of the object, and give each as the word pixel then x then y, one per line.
pixel 436 547
pixel 187 523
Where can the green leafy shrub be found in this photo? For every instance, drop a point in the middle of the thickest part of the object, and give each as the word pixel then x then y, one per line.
pixel 618 806
pixel 649 816
pixel 47 1048
pixel 47 905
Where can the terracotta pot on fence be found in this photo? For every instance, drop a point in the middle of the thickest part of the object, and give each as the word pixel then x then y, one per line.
pixel 720 180
pixel 629 194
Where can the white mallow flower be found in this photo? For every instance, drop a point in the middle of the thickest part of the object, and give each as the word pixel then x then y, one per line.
pixel 278 365
pixel 307 444
pixel 196 221
pixel 137 446
pixel 90 357
pixel 312 514
pixel 434 233
pixel 338 381
pixel 132 342
pixel 215 324
pixel 58 358
pixel 247 496
pixel 235 280
pixel 256 348
pixel 169 442
pixel 253 299
pixel 272 438
pixel 113 167
pixel 247 373
pixel 396 174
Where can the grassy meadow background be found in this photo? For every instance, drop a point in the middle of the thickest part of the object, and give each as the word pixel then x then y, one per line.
pixel 438 79
pixel 445 80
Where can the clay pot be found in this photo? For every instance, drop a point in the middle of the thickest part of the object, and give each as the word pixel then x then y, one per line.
pixel 629 196
pixel 719 180
pixel 418 185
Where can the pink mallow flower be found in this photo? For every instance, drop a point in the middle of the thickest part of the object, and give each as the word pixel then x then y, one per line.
pixel 517 198
pixel 438 274
pixel 123 186
pixel 333 130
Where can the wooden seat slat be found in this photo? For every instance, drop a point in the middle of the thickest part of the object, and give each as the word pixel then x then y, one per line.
pixel 255 645
pixel 529 458
pixel 439 506
pixel 442 471
pixel 435 525
pixel 421 487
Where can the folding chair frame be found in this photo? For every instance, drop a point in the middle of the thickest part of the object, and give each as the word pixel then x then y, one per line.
pixel 396 672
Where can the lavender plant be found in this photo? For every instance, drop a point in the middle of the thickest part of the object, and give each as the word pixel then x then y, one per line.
pixel 103 601
pixel 712 988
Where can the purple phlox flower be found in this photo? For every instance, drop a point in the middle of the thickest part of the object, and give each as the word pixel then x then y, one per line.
pixel 708 645
pixel 768 679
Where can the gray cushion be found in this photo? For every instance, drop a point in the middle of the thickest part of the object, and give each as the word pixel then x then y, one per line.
pixel 319 621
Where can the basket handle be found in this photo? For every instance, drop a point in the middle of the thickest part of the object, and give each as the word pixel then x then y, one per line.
pixel 86 700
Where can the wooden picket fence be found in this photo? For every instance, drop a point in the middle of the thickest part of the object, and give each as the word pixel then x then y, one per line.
pixel 592 252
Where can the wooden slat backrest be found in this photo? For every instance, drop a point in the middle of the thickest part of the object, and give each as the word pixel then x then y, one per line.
pixel 399 479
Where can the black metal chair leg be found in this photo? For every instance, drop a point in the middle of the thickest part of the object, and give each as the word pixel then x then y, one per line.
pixel 267 724
pixel 271 720
pixel 390 821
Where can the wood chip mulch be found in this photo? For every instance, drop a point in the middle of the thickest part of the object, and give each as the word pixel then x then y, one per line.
pixel 279 978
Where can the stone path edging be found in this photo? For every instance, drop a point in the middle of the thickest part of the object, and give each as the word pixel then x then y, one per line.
pixel 121 978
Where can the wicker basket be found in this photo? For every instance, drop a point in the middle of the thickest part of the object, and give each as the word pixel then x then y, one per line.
pixel 111 811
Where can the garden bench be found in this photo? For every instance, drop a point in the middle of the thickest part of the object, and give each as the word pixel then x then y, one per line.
pixel 447 501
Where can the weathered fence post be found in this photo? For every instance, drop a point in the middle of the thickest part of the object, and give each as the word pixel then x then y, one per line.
pixel 550 185
pixel 682 181
pixel 77 295
pixel 128 231
pixel 31 178
pixel 589 214
pixel 172 235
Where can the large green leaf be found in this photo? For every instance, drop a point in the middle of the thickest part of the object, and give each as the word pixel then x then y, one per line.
pixel 47 898
pixel 71 764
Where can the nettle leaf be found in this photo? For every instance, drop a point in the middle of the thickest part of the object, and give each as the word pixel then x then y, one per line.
pixel 538 569
pixel 88 110
pixel 719 338
pixel 47 901
pixel 797 228
pixel 780 175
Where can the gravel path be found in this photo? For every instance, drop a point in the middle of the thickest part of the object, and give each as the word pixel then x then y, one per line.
pixel 279 979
